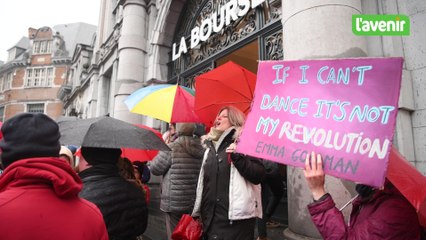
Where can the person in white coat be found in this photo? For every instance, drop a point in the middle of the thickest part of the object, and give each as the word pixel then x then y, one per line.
pixel 228 193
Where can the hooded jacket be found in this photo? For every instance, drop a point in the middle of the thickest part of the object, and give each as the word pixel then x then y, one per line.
pixel 122 204
pixel 39 200
pixel 386 215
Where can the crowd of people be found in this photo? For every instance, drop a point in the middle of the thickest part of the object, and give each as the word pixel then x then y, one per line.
pixel 49 191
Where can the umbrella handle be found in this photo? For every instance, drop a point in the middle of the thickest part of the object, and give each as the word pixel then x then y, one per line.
pixel 346 204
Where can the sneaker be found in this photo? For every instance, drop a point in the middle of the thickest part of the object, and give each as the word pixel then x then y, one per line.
pixel 273 224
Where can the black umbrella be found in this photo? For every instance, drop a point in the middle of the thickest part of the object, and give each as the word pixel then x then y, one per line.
pixel 108 132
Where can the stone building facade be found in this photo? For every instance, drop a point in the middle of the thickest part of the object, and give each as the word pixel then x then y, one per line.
pixel 138 44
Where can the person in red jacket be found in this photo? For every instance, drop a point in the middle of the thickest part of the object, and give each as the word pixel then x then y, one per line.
pixel 376 213
pixel 38 190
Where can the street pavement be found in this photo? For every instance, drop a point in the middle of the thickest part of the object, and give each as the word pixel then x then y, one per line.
pixel 275 233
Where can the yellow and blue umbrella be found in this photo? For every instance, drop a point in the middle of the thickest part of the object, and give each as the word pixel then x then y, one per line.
pixel 167 102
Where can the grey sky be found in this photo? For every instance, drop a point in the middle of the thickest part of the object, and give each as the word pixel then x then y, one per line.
pixel 18 15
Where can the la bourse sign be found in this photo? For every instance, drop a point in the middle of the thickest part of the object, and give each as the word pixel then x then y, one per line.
pixel 231 11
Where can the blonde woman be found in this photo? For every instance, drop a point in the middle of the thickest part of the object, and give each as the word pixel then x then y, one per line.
pixel 228 193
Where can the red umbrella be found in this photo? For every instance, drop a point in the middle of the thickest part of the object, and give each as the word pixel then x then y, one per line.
pixel 139 154
pixel 409 182
pixel 228 84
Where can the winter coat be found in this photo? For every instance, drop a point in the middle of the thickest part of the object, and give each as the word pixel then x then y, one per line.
pixel 228 190
pixel 39 200
pixel 180 169
pixel 122 204
pixel 386 215
pixel 273 183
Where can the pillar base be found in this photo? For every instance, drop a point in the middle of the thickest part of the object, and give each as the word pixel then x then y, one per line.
pixel 289 235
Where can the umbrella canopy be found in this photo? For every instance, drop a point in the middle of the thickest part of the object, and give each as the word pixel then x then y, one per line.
pixel 228 84
pixel 167 102
pixel 140 154
pixel 409 182
pixel 108 132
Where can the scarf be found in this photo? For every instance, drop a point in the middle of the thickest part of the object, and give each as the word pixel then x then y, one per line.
pixel 214 135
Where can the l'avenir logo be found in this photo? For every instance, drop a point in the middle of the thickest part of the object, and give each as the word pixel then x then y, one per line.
pixel 381 25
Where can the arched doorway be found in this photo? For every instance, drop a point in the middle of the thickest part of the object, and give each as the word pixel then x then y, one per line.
pixel 255 36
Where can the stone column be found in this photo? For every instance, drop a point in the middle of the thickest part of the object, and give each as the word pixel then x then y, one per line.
pixel 132 51
pixel 102 95
pixel 113 83
pixel 314 29
pixel 93 96
pixel 386 46
pixel 414 47
pixel 161 31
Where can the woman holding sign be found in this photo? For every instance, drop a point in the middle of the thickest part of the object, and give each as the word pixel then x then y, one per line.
pixel 228 193
pixel 376 213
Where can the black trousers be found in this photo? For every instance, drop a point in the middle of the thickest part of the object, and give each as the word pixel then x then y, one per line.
pixel 272 192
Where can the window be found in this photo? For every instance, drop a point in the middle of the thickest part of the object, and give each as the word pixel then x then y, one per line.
pixel 42 47
pixel 1 114
pixel 35 108
pixel 12 54
pixel 49 76
pixel 8 82
pixel 39 77
pixel 49 46
pixel 1 83
pixel 36 47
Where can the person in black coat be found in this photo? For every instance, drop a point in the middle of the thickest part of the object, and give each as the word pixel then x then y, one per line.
pixel 122 204
pixel 272 192
pixel 228 197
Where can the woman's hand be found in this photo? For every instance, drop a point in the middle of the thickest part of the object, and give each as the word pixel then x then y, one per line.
pixel 231 148
pixel 204 138
pixel 314 175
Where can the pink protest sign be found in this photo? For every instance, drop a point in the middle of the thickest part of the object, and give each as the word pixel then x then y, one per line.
pixel 344 109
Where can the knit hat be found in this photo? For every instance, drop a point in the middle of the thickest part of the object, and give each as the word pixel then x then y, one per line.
pixel 29 135
pixel 95 156
pixel 185 129
pixel 199 130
